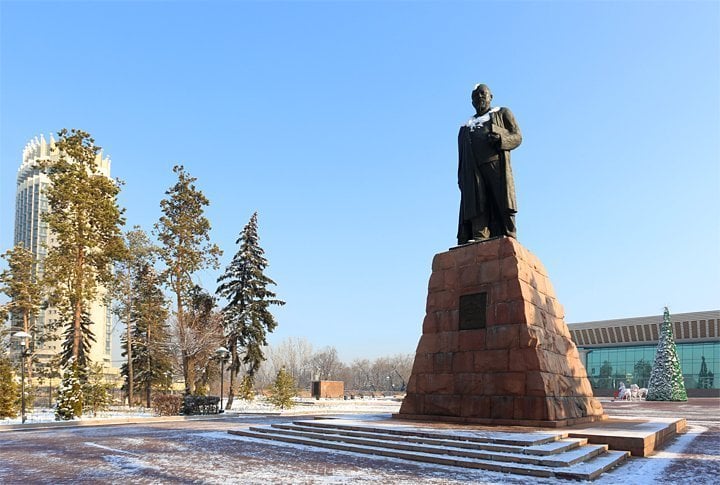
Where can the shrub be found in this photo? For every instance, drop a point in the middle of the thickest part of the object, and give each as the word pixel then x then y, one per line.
pixel 167 404
pixel 200 405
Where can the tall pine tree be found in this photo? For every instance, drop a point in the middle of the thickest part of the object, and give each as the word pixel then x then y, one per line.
pixel 21 283
pixel 140 253
pixel 246 317
pixel 666 378
pixel 184 234
pixel 85 219
pixel 151 357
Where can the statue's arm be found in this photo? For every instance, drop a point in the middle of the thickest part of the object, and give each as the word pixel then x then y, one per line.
pixel 461 141
pixel 510 136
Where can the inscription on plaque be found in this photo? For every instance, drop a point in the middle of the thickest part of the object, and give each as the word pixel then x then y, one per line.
pixel 473 311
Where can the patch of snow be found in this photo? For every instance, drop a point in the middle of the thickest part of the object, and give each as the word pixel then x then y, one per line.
pixel 126 464
pixel 114 450
pixel 652 468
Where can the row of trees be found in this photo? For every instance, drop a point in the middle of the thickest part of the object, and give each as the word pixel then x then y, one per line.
pixel 305 364
pixel 89 258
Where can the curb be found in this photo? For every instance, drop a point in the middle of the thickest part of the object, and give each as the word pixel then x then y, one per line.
pixel 105 422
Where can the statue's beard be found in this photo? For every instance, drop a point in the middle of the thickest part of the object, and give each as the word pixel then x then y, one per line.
pixel 482 107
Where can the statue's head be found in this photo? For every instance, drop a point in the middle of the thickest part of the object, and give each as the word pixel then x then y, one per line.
pixel 481 98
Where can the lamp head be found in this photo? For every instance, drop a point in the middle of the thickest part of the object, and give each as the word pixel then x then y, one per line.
pixel 22 336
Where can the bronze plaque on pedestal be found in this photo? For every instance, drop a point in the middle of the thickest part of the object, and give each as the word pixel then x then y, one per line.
pixel 473 311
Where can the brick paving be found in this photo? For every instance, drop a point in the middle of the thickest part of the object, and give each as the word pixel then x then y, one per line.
pixel 202 452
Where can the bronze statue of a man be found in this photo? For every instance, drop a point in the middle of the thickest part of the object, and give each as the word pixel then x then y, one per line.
pixel 487 190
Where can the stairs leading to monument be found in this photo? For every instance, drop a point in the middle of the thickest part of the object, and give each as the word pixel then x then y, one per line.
pixel 540 454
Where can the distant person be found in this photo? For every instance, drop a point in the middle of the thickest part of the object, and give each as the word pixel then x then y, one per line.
pixel 487 189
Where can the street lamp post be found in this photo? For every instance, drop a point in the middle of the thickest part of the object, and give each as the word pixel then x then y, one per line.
pixel 23 338
pixel 222 354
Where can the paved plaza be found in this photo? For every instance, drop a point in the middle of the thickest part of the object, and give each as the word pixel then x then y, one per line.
pixel 201 451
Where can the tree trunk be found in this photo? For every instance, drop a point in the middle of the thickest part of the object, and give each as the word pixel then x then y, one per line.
pixel 131 382
pixel 231 389
pixel 28 358
pixel 188 374
pixel 77 337
pixel 234 366
pixel 149 365
pixel 186 362
pixel 77 317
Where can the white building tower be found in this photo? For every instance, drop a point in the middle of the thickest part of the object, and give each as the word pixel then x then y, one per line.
pixel 32 231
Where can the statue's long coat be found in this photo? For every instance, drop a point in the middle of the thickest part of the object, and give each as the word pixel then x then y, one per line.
pixel 473 198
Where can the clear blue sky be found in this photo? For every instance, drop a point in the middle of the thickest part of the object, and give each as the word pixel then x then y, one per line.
pixel 337 122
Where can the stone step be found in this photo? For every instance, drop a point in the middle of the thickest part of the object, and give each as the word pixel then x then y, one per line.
pixel 446 447
pixel 531 438
pixel 553 447
pixel 591 469
pixel 587 470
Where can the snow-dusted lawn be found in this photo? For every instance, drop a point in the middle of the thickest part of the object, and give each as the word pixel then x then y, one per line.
pixel 45 415
pixel 256 406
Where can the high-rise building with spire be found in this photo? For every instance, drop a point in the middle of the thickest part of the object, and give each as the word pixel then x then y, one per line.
pixel 30 203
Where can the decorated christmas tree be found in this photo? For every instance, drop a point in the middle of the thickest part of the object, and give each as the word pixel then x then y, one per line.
pixel 666 379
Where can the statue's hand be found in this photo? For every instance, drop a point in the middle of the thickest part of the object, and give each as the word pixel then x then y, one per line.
pixel 494 138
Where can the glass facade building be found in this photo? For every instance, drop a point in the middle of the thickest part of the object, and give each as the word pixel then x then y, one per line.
pixel 616 351
pixel 607 367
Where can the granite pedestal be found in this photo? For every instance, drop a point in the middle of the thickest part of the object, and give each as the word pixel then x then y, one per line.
pixel 495 348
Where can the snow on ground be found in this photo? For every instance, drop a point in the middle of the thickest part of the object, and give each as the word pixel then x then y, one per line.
pixel 393 470
pixel 652 469
pixel 636 470
pixel 314 406
pixel 45 415
pixel 256 406
pixel 204 449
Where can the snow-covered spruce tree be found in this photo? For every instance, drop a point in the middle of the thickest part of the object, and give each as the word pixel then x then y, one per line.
pixel 79 355
pixel 246 317
pixel 283 390
pixel 9 390
pixel 70 396
pixel 96 391
pixel 666 379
